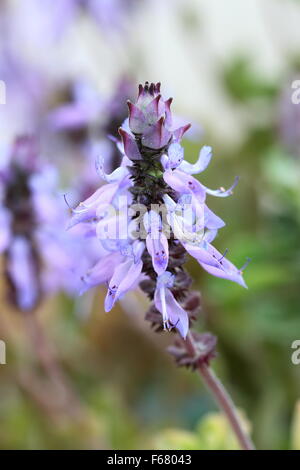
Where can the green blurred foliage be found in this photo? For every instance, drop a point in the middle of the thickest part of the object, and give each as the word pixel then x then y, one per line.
pixel 211 432
pixel 244 84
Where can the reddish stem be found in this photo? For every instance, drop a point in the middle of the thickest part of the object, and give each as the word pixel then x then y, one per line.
pixel 221 396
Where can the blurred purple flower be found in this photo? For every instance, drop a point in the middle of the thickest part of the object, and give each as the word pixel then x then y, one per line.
pixel 38 253
pixel 48 20
pixel 79 128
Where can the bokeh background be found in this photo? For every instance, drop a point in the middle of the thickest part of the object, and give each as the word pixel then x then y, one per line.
pixel 230 66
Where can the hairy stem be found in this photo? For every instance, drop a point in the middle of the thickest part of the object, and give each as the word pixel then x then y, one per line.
pixel 221 396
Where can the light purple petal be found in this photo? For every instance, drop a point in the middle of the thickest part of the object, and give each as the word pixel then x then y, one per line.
pixel 159 252
pixel 183 183
pixel 211 220
pixel 87 210
pixel 124 277
pixel 202 163
pixel 130 279
pixel 175 154
pixel 117 175
pixel 173 314
pixel 235 276
pixel 103 270
pixel 221 192
pixel 215 262
pixel 210 235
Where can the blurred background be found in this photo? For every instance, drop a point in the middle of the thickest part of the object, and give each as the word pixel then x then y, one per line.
pixel 77 378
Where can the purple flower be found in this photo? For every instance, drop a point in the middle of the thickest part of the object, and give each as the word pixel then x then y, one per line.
pixel 156 241
pixel 22 271
pixel 38 252
pixel 152 212
pixel 125 275
pixel 50 20
pixel 172 312
pixel 84 107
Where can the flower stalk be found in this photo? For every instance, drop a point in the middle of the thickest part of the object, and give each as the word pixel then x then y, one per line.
pixel 163 217
pixel 220 394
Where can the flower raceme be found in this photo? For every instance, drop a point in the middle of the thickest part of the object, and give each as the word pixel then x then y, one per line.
pixel 151 213
pixel 38 254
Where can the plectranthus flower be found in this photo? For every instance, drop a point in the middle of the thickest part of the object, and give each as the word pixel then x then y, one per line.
pixel 38 254
pixel 151 213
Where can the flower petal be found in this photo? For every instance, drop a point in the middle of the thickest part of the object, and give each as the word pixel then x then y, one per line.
pixel 130 146
pixel 211 220
pixel 137 119
pixel 214 262
pixel 124 277
pixel 157 136
pixel 235 276
pixel 202 163
pixel 117 175
pixel 221 192
pixel 159 252
pixel 178 133
pixel 183 183
pixel 87 210
pixel 103 270
pixel 175 154
pixel 173 314
pixel 168 112
pixel 154 110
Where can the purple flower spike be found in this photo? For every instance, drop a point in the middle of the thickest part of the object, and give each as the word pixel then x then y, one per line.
pixel 164 217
